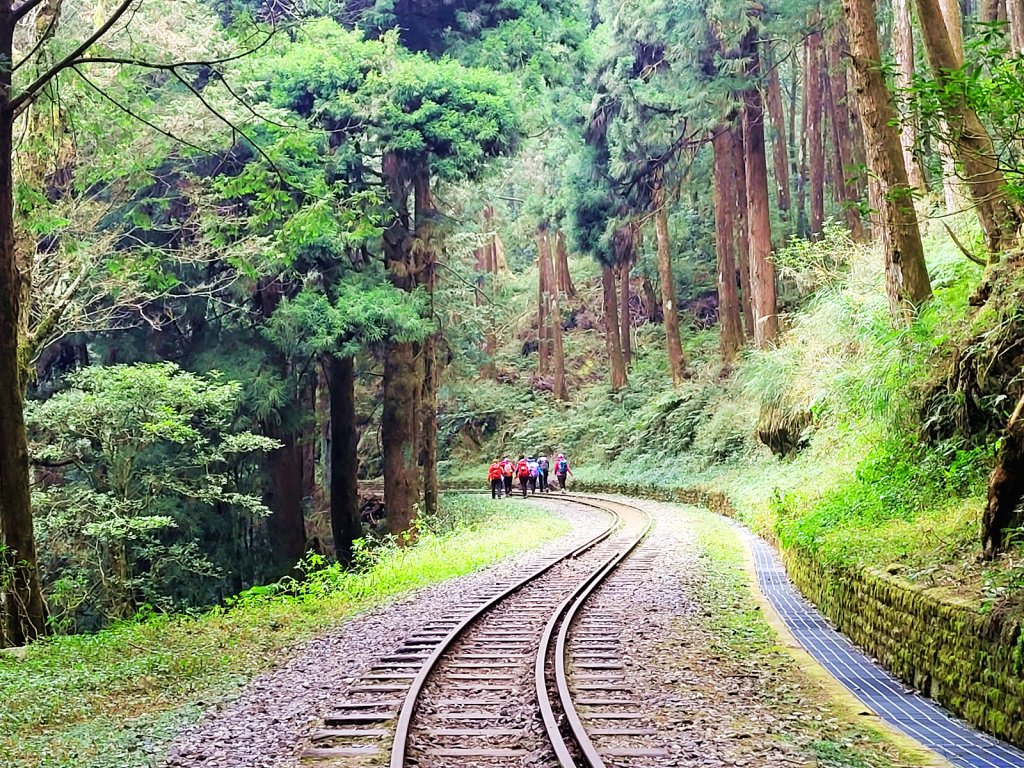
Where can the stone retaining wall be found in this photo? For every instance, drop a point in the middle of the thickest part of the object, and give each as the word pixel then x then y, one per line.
pixel 969 661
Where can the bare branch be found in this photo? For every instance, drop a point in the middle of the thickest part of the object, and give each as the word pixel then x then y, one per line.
pixel 22 10
pixel 23 99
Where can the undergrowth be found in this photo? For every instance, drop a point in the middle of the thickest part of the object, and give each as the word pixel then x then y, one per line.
pixel 113 699
pixel 869 484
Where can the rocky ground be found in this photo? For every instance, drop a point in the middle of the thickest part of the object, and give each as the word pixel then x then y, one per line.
pixel 714 682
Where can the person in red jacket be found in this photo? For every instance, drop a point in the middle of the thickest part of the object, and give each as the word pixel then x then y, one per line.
pixel 495 478
pixel 523 472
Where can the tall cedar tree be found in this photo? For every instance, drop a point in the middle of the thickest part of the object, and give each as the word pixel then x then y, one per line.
pixel 903 49
pixel 970 142
pixel 907 283
pixel 725 243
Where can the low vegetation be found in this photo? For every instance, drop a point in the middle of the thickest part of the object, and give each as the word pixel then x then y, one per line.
pixel 112 698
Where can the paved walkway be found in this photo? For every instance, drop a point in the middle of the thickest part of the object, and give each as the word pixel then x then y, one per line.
pixel 904 709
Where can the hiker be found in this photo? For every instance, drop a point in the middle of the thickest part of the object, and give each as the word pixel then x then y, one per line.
pixel 544 466
pixel 523 471
pixel 494 475
pixel 508 471
pixel 534 473
pixel 562 470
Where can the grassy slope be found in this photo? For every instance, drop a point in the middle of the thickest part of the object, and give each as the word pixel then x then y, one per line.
pixel 863 490
pixel 114 698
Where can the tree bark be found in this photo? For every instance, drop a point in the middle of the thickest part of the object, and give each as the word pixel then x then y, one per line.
pixel 815 137
pixel 286 526
pixel 731 329
pixel 842 140
pixel 427 278
pixel 1005 487
pixel 543 262
pixel 739 224
pixel 403 373
pixel 970 143
pixel 562 266
pixel 907 282
pixel 1015 17
pixel 773 91
pixel 903 48
pixel 759 227
pixel 625 324
pixel 554 314
pixel 346 524
pixel 611 330
pixel 23 606
pixel 676 360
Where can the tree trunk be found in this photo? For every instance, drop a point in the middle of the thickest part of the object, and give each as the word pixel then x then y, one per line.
pixel 1015 17
pixel 676 361
pixel 611 330
pixel 835 101
pixel 759 227
pixel 403 373
pixel 23 605
pixel 773 91
pixel 815 137
pixel 740 233
pixel 802 226
pixel 554 313
pixel 988 11
pixel 286 526
pixel 903 48
pixel 731 329
pixel 907 282
pixel 426 277
pixel 562 266
pixel 1005 487
pixel 970 142
pixel 625 323
pixel 543 260
pixel 345 521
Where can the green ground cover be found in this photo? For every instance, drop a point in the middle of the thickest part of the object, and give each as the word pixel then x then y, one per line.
pixel 114 698
pixel 879 478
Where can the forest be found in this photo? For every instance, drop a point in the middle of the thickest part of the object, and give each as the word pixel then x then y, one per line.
pixel 275 274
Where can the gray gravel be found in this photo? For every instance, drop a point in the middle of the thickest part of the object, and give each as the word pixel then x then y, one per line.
pixel 268 724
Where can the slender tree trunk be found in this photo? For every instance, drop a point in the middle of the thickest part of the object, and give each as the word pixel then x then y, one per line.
pixel 842 140
pixel 773 92
pixel 676 360
pixel 543 260
pixel 403 371
pixel 740 232
pixel 625 324
pixel 802 225
pixel 988 11
pixel 345 522
pixel 815 137
pixel 554 313
pixel 611 330
pixel 427 278
pixel 903 47
pixel 971 145
pixel 907 282
pixel 562 264
pixel 731 335
pixel 762 269
pixel 23 605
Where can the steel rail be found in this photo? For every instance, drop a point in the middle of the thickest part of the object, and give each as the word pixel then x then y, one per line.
pixel 573 720
pixel 404 724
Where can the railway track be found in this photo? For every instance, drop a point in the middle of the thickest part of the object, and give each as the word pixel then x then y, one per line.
pixel 529 672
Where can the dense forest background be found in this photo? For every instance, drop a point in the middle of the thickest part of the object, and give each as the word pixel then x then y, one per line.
pixel 255 251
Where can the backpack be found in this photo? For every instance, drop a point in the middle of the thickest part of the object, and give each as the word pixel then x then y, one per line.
pixel 561 467
pixel 524 469
pixel 543 463
pixel 506 469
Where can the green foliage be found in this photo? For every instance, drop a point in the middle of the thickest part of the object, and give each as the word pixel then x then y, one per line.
pixel 114 699
pixel 140 456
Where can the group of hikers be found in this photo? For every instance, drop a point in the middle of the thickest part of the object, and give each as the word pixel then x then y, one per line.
pixel 533 473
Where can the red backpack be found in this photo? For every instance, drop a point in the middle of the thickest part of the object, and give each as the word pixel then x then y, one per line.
pixel 523 468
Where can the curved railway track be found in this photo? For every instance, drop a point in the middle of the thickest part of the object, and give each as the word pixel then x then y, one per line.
pixel 529 673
